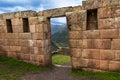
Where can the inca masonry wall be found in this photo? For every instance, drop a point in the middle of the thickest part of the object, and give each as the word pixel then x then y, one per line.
pixel 94 35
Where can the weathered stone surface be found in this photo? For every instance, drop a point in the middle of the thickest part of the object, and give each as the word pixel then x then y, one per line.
pixel 95 64
pixel 101 44
pixel 108 23
pixel 87 44
pixel 104 64
pixel 104 12
pixel 38 36
pixel 76 52
pixel 73 43
pixel 57 12
pixel 91 54
pixel 115 44
pixel 107 55
pixel 109 34
pixel 114 66
pixel 117 55
pixel 17 22
pixel 32 28
pixel 25 35
pixel 91 34
pixel 75 34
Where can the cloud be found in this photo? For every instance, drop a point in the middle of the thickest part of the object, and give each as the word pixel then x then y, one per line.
pixel 15 1
pixel 61 20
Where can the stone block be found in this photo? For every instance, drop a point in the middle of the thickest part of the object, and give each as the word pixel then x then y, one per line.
pixel 8 16
pixel 114 2
pixel 2 41
pixel 24 42
pixel 25 35
pixel 117 22
pixel 10 42
pixel 17 22
pixel 38 36
pixel 40 43
pixel 115 11
pixel 32 43
pixel 114 66
pixel 56 12
pixel 76 27
pixel 101 44
pixel 91 54
pixel 40 58
pixel 17 29
pixel 12 35
pixel 75 52
pixel 33 20
pixel 42 19
pixel 95 64
pixel 2 22
pixel 115 44
pixel 26 57
pixel 75 34
pixel 87 43
pixel 75 63
pixel 107 54
pixel 33 58
pixel 38 50
pixel 80 44
pixel 76 17
pixel 94 34
pixel 4 28
pixel 15 49
pixel 106 23
pixel 104 12
pixel 39 28
pixel 28 13
pixel 32 29
pixel 104 65
pixel 11 54
pixel 109 33
pixel 73 43
pixel 117 55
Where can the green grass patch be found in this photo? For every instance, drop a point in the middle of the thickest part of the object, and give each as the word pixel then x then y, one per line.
pixel 96 75
pixel 60 59
pixel 11 69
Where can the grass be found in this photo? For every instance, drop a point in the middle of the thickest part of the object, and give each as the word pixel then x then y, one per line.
pixel 12 69
pixel 85 75
pixel 60 59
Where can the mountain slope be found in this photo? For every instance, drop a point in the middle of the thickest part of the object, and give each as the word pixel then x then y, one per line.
pixel 60 38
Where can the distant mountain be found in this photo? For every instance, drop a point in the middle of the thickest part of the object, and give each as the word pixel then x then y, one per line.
pixel 55 28
pixel 60 38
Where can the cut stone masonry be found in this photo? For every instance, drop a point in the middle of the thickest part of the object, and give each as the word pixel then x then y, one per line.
pixel 94 35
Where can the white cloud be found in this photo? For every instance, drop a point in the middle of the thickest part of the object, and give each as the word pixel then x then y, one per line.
pixel 16 8
pixel 16 1
pixel 59 19
pixel 40 8
pixel 65 3
pixel 2 12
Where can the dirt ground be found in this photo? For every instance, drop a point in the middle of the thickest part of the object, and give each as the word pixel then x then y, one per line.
pixel 56 73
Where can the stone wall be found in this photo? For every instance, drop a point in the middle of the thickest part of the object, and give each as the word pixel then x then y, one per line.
pixel 96 49
pixel 93 29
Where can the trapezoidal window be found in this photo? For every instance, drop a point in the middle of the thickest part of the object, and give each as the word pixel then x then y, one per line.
pixel 9 26
pixel 92 21
pixel 26 25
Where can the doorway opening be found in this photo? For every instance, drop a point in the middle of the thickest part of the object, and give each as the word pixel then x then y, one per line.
pixel 60 42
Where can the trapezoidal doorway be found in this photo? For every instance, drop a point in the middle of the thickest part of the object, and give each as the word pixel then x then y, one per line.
pixel 59 42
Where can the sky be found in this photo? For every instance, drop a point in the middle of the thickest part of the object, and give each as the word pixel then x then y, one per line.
pixel 36 5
